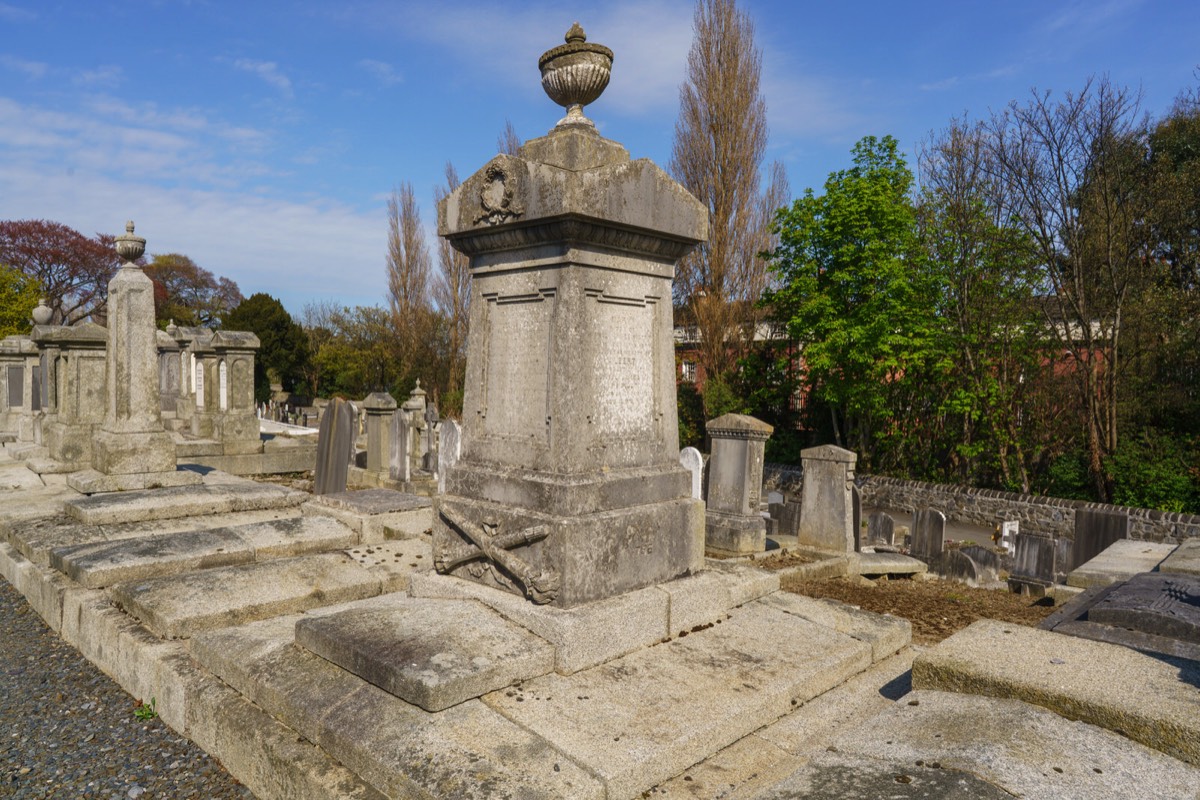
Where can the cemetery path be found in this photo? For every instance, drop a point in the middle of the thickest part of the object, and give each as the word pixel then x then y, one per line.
pixel 936 608
pixel 70 731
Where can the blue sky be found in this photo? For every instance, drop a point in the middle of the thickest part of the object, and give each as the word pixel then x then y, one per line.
pixel 262 138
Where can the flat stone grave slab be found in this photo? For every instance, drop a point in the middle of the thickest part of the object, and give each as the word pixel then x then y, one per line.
pixel 180 501
pixel 294 536
pixel 1185 559
pixel 90 481
pixel 884 633
pixel 639 720
pixel 373 501
pixel 179 606
pixel 431 653
pixel 105 563
pixel 1072 619
pixel 1151 700
pixel 885 564
pixel 35 539
pixel 1160 604
pixel 395 562
pixel 16 476
pixel 945 745
pixel 1119 562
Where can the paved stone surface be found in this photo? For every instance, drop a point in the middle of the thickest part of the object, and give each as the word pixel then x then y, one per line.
pixel 1120 561
pixel 644 718
pixel 1025 750
pixel 833 776
pixel 373 501
pixel 1153 701
pixel 183 605
pixel 884 633
pixel 1185 559
pixel 467 751
pixel 395 562
pixel 182 501
pixel 105 563
pixel 431 653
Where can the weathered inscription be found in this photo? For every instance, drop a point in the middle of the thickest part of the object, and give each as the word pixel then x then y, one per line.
pixel 518 341
pixel 623 363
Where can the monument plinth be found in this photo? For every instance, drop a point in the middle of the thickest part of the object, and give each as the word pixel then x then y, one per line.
pixel 569 487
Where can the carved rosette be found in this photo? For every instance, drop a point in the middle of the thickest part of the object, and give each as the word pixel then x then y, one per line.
pixel 575 74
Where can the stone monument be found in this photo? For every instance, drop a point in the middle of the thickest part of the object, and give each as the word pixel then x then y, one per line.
pixel 733 525
pixel 827 502
pixel 569 488
pixel 131 450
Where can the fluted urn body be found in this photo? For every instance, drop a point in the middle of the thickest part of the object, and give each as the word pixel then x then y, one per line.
pixel 575 74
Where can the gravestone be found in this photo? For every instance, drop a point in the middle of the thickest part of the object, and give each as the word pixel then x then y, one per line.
pixel 75 376
pixel 691 459
pixel 987 559
pixel 826 514
pixel 400 458
pixel 1095 530
pixel 449 450
pixel 379 408
pixel 1034 559
pixel 1008 534
pixel 881 529
pixel 928 533
pixel 956 565
pixel 1160 604
pixel 733 525
pixel 569 488
pixel 429 461
pixel 334 443
pixel 856 516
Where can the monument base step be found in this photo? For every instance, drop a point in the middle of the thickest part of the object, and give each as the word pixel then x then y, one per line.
pixel 215 495
pixel 1119 562
pixel 50 466
pixel 376 514
pixel 1185 559
pixel 90 481
pixel 23 451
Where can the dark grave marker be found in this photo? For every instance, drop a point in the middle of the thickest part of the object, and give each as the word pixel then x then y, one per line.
pixel 335 442
pixel 1095 530
pixel 928 534
pixel 881 529
pixel 987 559
pixel 1034 560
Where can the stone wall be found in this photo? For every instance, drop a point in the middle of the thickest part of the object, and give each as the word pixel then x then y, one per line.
pixel 1037 514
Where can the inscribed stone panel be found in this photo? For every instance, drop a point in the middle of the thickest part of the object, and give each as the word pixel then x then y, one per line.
pixel 16 381
pixel 516 383
pixel 622 335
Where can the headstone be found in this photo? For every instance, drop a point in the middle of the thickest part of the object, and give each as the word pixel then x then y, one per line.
pixel 1008 534
pixel 379 407
pixel 691 460
pixel 1157 603
pixel 449 450
pixel 334 441
pixel 928 534
pixel 400 459
pixel 1034 558
pixel 1095 530
pixel 733 525
pixel 881 529
pixel 956 565
pixel 429 461
pixel 856 516
pixel 569 488
pixel 987 559
pixel 827 508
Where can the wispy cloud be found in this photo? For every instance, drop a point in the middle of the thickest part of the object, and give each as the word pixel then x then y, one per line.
pixel 32 69
pixel 383 72
pixel 268 71
pixel 15 14
pixel 107 75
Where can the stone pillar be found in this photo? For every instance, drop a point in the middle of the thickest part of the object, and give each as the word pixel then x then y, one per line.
pixel 827 504
pixel 234 422
pixel 733 525
pixel 76 358
pixel 379 407
pixel 569 483
pixel 400 452
pixel 131 447
pixel 449 450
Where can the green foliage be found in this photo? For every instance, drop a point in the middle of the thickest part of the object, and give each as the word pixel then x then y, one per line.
pixel 18 297
pixel 721 398
pixel 146 711
pixel 1155 469
pixel 284 347
pixel 691 416
pixel 1066 476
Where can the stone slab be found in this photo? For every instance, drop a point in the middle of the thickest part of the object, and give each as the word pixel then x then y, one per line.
pixel 884 564
pixel 373 528
pixel 182 605
pixel 36 539
pixel 583 636
pixel 181 501
pixel 431 653
pixel 18 476
pixel 373 501
pixel 90 481
pixel 1020 748
pixel 744 582
pixel 105 563
pixel 884 633
pixel 1151 700
pixel 644 718
pixel 467 751
pixel 1071 619
pixel 1160 604
pixel 395 562
pixel 1185 559
pixel 1119 562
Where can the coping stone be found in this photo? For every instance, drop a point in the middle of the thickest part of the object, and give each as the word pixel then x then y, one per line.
pixel 431 653
pixel 695 601
pixel 1185 559
pixel 373 501
pixel 1152 701
pixel 179 606
pixel 293 536
pixel 643 718
pixel 1023 749
pixel 583 636
pixel 36 539
pixel 180 501
pixel 105 563
pixel 884 633
pixel 1119 562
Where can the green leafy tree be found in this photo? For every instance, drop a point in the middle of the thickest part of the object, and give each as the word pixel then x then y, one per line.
pixel 855 295
pixel 284 346
pixel 18 297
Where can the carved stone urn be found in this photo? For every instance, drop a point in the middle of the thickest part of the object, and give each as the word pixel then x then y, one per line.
pixel 130 247
pixel 575 74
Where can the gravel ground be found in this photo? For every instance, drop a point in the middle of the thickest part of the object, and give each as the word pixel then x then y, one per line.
pixel 68 731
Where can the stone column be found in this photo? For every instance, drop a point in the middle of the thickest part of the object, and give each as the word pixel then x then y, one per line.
pixel 131 447
pixel 733 525
pixel 235 423
pixel 827 503
pixel 379 407
pixel 569 478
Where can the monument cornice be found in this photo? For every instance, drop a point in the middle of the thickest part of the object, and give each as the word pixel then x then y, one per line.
pixel 571 229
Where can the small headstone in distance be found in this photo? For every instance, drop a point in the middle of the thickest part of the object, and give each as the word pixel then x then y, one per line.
pixel 691 460
pixel 400 458
pixel 1034 559
pixel 334 442
pixel 928 533
pixel 956 565
pixel 881 529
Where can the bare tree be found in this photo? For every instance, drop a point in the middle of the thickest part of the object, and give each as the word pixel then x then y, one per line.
pixel 408 268
pixel 720 142
pixel 508 142
pixel 452 289
pixel 1071 167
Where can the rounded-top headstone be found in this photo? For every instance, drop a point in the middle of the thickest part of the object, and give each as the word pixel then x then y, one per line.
pixel 130 247
pixel 41 315
pixel 575 74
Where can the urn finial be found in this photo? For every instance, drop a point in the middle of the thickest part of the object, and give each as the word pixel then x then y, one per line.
pixel 41 315
pixel 130 247
pixel 575 74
